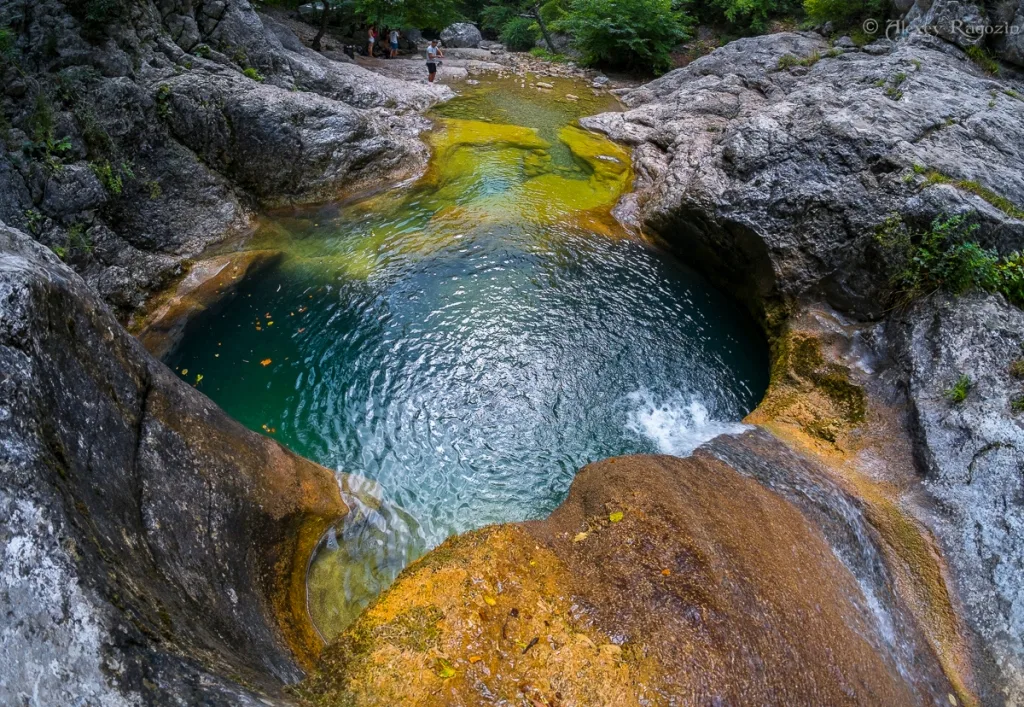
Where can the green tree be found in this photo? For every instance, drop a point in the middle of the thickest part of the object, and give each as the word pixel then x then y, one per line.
pixel 844 12
pixel 749 15
pixel 629 34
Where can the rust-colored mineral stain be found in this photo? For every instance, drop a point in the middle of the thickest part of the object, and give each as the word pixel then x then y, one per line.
pixel 709 587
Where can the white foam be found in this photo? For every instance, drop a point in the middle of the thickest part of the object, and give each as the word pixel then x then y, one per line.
pixel 676 424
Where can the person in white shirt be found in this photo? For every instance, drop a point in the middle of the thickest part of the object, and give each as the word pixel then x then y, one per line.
pixel 433 53
pixel 394 43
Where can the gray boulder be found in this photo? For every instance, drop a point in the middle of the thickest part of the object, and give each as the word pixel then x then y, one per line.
pixel 150 544
pixel 776 178
pixel 972 456
pixel 461 35
pixel 962 23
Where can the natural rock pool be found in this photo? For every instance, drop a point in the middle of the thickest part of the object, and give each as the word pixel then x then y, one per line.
pixel 470 340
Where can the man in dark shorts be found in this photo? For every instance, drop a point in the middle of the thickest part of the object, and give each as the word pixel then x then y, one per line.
pixel 433 54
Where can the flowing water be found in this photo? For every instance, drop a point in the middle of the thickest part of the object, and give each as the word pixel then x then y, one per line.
pixel 467 342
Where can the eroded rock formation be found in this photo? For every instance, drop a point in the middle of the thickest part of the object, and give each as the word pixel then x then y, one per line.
pixel 152 550
pixel 736 576
pixel 135 144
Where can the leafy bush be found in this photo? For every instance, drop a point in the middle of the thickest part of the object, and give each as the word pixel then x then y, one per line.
pixel 630 34
pixel 844 13
pixel 944 257
pixel 518 34
pixel 752 15
pixel 252 74
pixel 495 17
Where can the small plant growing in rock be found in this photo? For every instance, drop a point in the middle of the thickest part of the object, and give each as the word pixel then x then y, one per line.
pixel 958 393
pixel 787 61
pixel 202 50
pixel 163 101
pixel 253 74
pixel 35 221
pixel 1017 368
pixel 984 60
pixel 1017 404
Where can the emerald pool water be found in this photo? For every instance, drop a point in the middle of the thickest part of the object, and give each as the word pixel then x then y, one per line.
pixel 468 341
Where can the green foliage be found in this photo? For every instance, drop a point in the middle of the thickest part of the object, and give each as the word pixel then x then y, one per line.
pixel 519 34
pixel 112 178
pixel 983 59
pixel 252 74
pixel 545 55
pixel 202 50
pixel 788 61
pixel 944 257
pixel 933 177
pixel 753 16
pixel 494 17
pixel 425 14
pixel 163 101
pixel 35 221
pixel 1017 404
pixel 1017 368
pixel 958 392
pixel 845 13
pixel 629 34
pixel 7 40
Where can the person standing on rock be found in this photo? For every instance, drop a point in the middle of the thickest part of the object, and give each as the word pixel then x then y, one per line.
pixel 394 43
pixel 371 39
pixel 433 53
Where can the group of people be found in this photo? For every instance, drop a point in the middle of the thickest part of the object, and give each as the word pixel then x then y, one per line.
pixel 434 52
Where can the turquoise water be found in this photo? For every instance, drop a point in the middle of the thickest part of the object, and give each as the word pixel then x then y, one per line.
pixel 469 364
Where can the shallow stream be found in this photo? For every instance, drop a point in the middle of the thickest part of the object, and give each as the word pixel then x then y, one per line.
pixel 468 341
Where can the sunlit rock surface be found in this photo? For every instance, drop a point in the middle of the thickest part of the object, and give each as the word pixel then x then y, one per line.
pixel 152 550
pixel 740 575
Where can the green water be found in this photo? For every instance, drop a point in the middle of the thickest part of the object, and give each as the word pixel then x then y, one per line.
pixel 468 341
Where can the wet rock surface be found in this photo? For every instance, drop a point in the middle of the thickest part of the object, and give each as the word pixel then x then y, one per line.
pixel 776 176
pixel 972 455
pixel 149 138
pixel 153 550
pixel 659 580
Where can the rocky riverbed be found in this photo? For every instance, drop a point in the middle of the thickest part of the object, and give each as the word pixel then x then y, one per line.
pixel 862 543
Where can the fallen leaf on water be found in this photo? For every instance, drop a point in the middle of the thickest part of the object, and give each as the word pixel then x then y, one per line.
pixel 267 362
pixel 615 517
pixel 580 537
pixel 475 659
pixel 302 330
pixel 666 572
pixel 184 371
pixel 270 323
pixel 199 378
pixel 489 600
pixel 216 355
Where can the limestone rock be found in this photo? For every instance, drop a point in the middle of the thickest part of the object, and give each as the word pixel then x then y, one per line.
pixel 782 178
pixel 972 455
pixel 154 550
pixel 461 35
pixel 132 88
pixel 658 580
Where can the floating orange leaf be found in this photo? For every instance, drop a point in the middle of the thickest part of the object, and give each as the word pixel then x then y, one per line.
pixel 266 362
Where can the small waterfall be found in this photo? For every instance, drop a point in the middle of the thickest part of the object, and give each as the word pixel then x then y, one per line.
pixel 676 424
